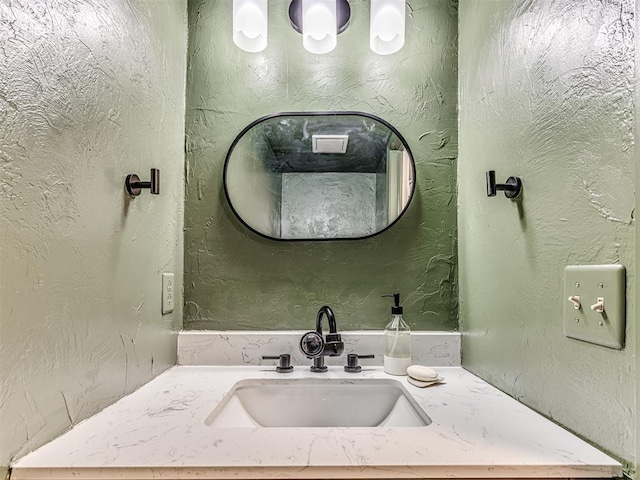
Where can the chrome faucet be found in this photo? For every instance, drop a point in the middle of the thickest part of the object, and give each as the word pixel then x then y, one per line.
pixel 313 344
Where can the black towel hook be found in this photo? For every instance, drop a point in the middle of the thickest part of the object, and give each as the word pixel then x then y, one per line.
pixel 512 187
pixel 134 186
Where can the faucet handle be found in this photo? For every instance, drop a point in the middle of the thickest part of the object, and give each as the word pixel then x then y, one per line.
pixel 284 364
pixel 312 344
pixel 352 362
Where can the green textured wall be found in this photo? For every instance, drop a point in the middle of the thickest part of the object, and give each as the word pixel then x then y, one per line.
pixel 90 91
pixel 237 280
pixel 546 93
pixel 637 243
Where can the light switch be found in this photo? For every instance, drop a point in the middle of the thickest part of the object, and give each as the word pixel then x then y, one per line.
pixel 168 293
pixel 594 304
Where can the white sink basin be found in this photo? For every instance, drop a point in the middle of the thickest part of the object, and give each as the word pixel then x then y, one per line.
pixel 317 403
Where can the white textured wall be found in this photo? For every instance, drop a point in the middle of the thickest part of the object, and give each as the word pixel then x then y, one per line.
pixel 90 90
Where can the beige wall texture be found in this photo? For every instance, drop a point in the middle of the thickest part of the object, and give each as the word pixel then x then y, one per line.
pixel 546 93
pixel 235 279
pixel 89 91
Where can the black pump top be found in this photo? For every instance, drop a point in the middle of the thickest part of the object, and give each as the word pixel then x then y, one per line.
pixel 396 309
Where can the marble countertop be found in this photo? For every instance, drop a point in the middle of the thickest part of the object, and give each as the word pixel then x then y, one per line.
pixel 159 431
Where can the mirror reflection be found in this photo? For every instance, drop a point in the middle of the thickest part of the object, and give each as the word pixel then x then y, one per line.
pixel 319 175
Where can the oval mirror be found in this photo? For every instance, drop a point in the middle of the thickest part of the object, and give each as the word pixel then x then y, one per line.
pixel 319 176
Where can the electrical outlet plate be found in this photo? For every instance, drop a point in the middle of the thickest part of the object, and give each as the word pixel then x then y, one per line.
pixel 168 293
pixel 590 283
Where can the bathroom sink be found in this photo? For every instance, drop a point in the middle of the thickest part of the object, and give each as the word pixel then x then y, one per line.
pixel 317 403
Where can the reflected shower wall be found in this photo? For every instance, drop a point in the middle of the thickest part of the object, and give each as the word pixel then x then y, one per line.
pixel 328 205
pixel 260 203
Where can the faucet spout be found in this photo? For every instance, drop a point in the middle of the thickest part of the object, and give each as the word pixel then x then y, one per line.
pixel 331 318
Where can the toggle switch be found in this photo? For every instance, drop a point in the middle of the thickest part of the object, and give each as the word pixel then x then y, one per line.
pixel 575 300
pixel 598 306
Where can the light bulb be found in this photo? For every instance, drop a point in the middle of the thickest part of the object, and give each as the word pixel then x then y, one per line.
pixel 250 25
pixel 386 33
pixel 319 30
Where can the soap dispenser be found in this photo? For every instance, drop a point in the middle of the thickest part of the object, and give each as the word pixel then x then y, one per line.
pixel 397 341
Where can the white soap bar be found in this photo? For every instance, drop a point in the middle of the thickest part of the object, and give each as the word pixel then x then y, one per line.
pixel 422 373
pixel 420 384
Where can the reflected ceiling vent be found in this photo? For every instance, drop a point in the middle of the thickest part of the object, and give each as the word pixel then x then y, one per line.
pixel 330 143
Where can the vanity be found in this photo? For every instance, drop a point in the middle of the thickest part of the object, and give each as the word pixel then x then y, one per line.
pixel 170 428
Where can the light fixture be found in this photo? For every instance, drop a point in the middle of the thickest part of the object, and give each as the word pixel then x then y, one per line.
pixel 319 21
pixel 386 34
pixel 250 25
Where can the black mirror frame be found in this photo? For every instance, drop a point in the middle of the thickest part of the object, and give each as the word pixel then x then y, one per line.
pixel 317 113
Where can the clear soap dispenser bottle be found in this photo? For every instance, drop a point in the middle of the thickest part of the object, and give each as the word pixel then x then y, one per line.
pixel 397 341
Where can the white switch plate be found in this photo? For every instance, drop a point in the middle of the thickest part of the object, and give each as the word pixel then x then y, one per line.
pixel 591 282
pixel 168 293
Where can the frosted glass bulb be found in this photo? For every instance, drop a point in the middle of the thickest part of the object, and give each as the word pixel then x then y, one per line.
pixel 250 25
pixel 319 30
pixel 386 33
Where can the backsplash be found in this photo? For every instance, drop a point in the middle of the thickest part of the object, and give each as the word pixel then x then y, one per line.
pixel 436 349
